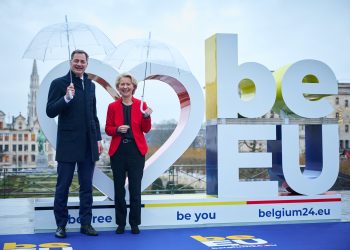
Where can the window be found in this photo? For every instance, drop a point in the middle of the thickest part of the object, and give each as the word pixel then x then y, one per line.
pixel 25 147
pixel 346 128
pixel 346 103
pixel 20 147
pixel 20 137
pixel 6 149
pixel 1 125
pixel 1 136
pixel 25 137
pixel 337 115
pixel 14 137
pixel 337 100
pixel 33 137
pixel 346 143
pixel 33 147
pixel 14 148
pixel 7 137
pixel 1 149
pixel 341 144
pixel 33 158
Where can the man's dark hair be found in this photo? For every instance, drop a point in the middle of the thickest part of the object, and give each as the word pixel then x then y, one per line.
pixel 79 51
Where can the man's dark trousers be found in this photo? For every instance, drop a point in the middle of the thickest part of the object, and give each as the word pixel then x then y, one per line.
pixel 65 171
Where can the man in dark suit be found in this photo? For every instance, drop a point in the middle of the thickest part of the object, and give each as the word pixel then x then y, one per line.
pixel 72 99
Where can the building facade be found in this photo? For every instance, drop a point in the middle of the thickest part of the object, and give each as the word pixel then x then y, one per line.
pixel 342 112
pixel 18 135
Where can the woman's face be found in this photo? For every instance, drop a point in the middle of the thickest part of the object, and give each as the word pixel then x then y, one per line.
pixel 126 87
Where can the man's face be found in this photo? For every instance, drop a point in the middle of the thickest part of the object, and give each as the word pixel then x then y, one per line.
pixel 78 64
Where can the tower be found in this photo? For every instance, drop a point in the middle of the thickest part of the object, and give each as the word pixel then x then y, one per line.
pixel 34 87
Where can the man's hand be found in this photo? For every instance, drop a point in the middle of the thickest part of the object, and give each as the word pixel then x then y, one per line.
pixel 70 92
pixel 100 147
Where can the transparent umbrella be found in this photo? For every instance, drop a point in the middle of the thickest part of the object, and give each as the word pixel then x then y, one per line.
pixel 133 52
pixel 55 41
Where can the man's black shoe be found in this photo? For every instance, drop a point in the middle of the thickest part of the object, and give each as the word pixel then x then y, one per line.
pixel 135 230
pixel 60 232
pixel 120 230
pixel 88 230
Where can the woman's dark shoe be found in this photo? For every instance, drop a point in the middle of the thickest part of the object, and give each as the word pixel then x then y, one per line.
pixel 120 230
pixel 135 230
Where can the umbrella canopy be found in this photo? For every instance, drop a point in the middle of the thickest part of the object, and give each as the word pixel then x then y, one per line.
pixel 132 52
pixel 51 42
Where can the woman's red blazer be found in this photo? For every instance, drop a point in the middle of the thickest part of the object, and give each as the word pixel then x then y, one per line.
pixel 139 125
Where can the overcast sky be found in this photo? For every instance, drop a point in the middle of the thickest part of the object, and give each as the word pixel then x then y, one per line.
pixel 270 32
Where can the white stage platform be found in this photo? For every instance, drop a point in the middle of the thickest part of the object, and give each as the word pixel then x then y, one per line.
pixel 17 215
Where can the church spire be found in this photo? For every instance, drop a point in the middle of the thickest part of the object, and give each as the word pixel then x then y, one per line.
pixel 34 87
pixel 34 77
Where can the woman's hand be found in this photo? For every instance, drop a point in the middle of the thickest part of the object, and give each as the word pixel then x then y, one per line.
pixel 148 112
pixel 123 129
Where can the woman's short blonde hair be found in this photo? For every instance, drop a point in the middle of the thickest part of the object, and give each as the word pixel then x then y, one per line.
pixel 128 75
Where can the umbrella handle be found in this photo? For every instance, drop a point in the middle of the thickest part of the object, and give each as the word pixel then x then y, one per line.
pixel 141 106
pixel 70 93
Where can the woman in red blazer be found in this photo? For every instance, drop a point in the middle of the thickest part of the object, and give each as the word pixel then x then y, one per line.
pixel 127 124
